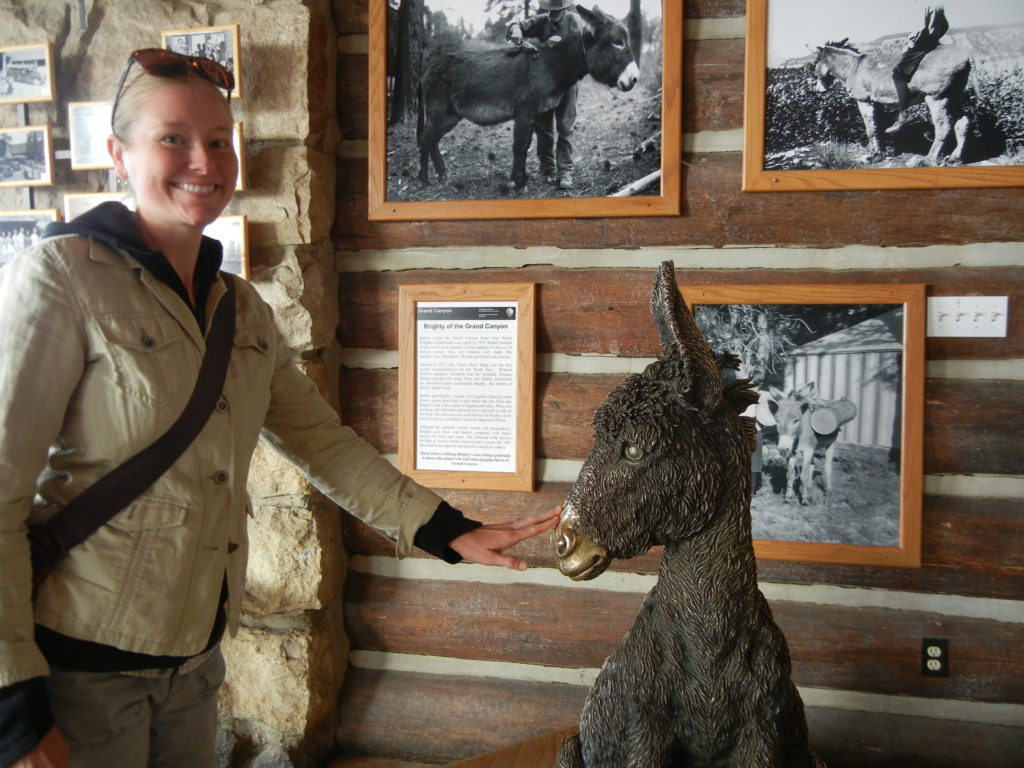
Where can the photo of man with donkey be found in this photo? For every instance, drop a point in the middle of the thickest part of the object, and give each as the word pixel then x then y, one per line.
pixel 919 44
pixel 555 127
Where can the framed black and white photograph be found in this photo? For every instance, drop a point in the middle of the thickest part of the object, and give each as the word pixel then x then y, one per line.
pixel 218 43
pixel 233 235
pixel 26 156
pixel 88 128
pixel 840 372
pixel 884 94
pixel 26 73
pixel 75 204
pixel 20 229
pixel 511 109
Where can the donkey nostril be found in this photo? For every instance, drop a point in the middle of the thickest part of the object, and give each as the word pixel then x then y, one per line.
pixel 566 543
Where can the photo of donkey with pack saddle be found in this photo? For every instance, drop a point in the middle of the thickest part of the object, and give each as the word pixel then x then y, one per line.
pixel 919 86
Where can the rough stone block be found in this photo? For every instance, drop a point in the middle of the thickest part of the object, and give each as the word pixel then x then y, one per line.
pixel 281 688
pixel 273 476
pixel 289 199
pixel 286 556
pixel 300 285
pixel 268 679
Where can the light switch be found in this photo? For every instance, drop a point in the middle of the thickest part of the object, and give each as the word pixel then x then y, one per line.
pixel 967 315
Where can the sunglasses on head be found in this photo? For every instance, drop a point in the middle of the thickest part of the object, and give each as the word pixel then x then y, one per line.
pixel 160 62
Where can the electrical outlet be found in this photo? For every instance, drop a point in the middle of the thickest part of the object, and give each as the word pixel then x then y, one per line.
pixel 934 657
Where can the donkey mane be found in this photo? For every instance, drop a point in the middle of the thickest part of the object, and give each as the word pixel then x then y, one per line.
pixel 843 44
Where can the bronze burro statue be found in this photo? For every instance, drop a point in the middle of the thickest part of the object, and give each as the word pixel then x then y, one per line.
pixel 702 678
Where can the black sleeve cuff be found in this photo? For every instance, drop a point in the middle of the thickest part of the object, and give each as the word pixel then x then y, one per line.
pixel 25 717
pixel 447 524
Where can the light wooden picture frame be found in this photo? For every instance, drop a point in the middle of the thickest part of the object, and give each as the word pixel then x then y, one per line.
pixel 627 144
pixel 88 129
pixel 467 381
pixel 21 229
pixel 808 63
pixel 233 234
pixel 26 156
pixel 77 203
pixel 841 371
pixel 222 44
pixel 26 73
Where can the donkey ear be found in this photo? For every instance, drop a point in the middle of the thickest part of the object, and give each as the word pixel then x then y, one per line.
pixel 679 335
pixel 593 18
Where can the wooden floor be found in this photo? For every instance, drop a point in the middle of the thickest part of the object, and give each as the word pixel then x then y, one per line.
pixel 535 753
pixel 377 762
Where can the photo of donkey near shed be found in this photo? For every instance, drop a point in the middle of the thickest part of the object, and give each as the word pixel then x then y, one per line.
pixel 488 99
pixel 832 90
pixel 829 416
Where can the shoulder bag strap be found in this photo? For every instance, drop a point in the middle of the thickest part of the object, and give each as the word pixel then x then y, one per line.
pixel 118 488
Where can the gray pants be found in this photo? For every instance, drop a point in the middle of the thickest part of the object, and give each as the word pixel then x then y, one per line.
pixel 140 720
pixel 554 130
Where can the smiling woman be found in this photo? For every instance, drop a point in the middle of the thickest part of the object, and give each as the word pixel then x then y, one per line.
pixel 109 327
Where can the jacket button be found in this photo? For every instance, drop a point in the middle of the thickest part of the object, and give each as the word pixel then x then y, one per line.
pixel 232 546
pixel 222 405
pixel 220 478
pixel 263 345
pixel 148 342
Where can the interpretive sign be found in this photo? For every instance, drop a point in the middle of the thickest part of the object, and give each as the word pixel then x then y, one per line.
pixel 467 385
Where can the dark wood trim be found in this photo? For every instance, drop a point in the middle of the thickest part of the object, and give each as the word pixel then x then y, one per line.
pixel 715 213
pixel 441 719
pixel 970 426
pixel 606 311
pixel 867 649
pixel 969 547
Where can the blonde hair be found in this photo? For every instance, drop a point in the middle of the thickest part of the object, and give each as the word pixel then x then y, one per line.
pixel 138 87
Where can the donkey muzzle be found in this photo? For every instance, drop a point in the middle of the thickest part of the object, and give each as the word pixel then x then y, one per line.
pixel 629 77
pixel 579 557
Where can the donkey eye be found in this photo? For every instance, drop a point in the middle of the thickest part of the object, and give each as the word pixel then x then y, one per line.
pixel 634 452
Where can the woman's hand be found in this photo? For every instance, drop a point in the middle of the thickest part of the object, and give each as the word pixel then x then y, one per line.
pixel 50 752
pixel 485 544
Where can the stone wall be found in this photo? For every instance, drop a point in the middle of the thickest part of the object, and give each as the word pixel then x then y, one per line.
pixel 287 663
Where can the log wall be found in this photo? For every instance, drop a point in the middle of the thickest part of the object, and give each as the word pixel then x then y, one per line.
pixel 452 662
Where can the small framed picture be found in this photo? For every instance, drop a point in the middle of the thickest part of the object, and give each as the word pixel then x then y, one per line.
pixel 466 393
pixel 26 73
pixel 26 157
pixel 238 140
pixel 234 237
pixel 20 229
pixel 218 43
pixel 77 204
pixel 89 127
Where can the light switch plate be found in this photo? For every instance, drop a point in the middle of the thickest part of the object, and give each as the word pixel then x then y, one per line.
pixel 967 316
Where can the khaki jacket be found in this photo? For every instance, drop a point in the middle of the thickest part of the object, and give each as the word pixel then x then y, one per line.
pixel 97 359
